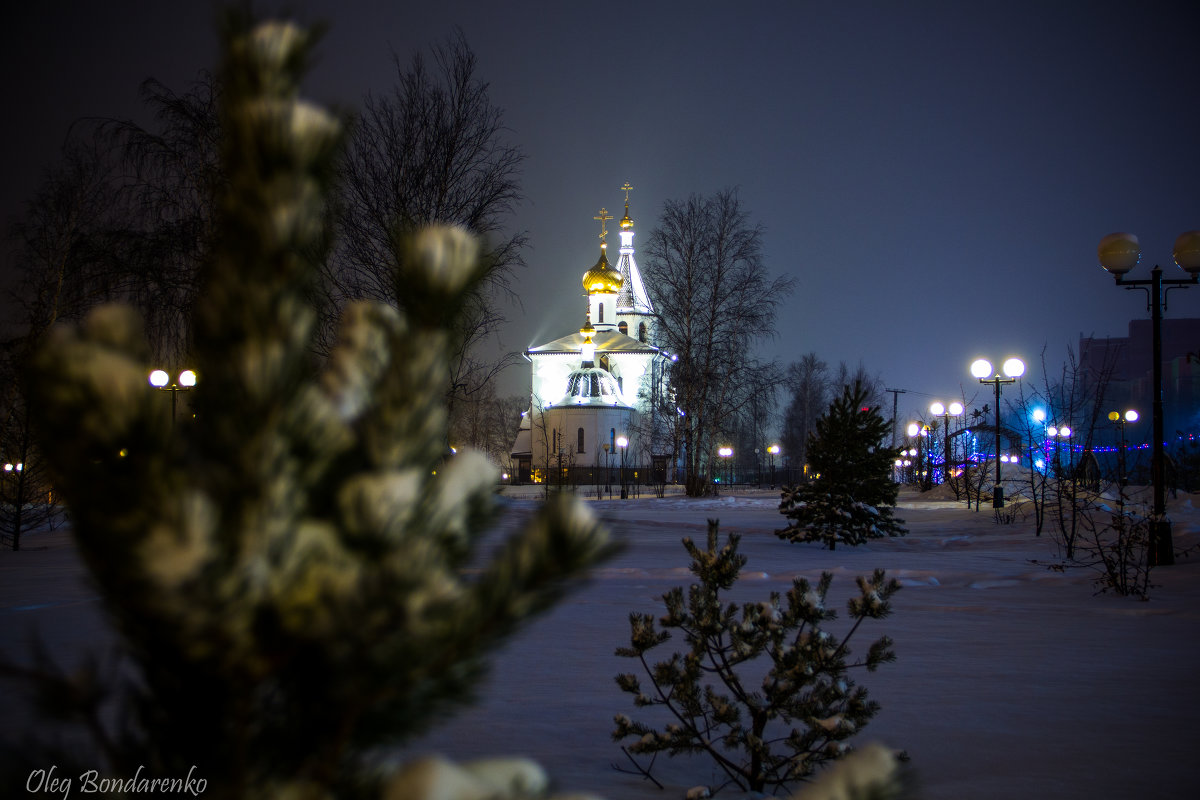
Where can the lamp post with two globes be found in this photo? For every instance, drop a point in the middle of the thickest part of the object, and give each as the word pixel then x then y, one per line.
pixel 1120 419
pixel 946 412
pixel 1058 433
pixel 1013 368
pixel 159 379
pixel 1119 253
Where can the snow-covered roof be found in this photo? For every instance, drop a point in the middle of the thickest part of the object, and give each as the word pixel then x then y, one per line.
pixel 606 341
pixel 523 446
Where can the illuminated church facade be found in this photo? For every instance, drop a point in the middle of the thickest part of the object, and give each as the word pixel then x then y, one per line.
pixel 592 391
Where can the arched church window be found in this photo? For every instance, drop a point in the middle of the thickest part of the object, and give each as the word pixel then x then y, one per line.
pixel 601 312
pixel 579 448
pixel 623 327
pixel 642 332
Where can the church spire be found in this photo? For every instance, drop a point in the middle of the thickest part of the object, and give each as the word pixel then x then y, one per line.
pixel 633 299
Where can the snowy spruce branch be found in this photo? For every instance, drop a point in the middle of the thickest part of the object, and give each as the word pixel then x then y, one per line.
pixel 762 733
pixel 286 569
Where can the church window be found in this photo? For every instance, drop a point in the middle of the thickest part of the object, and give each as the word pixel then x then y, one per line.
pixel 579 449
pixel 623 327
pixel 601 312
pixel 642 332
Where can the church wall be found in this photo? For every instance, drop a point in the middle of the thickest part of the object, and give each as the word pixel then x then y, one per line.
pixel 637 326
pixel 602 308
pixel 601 426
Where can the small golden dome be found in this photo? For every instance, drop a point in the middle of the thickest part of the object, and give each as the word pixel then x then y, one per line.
pixel 602 278
pixel 626 222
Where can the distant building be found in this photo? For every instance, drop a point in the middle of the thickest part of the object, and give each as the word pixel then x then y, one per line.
pixel 1127 366
pixel 593 389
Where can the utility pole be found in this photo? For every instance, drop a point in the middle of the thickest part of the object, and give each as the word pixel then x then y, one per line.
pixel 895 410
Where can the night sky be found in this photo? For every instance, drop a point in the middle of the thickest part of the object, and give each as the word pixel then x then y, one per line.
pixel 935 176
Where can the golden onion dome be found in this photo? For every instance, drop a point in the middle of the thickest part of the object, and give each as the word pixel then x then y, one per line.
pixel 626 221
pixel 602 278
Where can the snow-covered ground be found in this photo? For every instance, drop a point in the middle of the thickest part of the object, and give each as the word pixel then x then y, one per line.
pixel 1012 680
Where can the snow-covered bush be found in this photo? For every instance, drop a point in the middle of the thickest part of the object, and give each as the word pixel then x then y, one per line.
pixel 850 496
pixel 285 569
pixel 763 731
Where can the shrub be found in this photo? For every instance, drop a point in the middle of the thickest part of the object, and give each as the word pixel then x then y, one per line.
pixel 763 733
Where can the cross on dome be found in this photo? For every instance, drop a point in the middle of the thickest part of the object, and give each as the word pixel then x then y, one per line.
pixel 604 217
pixel 626 222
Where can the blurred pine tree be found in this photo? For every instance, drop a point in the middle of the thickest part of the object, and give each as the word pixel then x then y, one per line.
pixel 286 567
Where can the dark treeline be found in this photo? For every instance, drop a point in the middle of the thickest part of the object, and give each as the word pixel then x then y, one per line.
pixel 810 386
pixel 129 213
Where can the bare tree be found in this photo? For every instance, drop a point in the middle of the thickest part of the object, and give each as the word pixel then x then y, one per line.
pixel 871 384
pixel 26 497
pixel 56 246
pixel 754 411
pixel 488 423
pixel 808 385
pixel 61 270
pixel 714 300
pixel 432 151
pixel 166 193
pixel 1078 404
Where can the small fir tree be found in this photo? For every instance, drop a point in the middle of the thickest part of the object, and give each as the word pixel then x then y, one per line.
pixel 761 733
pixel 285 570
pixel 851 496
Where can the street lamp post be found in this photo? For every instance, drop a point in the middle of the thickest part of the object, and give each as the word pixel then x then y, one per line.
pixel 1013 368
pixel 159 379
pixel 1058 434
pixel 623 444
pixel 726 453
pixel 773 451
pixel 1037 464
pixel 608 470
pixel 1120 420
pixel 926 442
pixel 913 430
pixel 946 412
pixel 1119 253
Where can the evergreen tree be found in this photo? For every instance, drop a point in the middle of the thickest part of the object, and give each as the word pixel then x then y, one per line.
pixel 285 570
pixel 761 733
pixel 851 496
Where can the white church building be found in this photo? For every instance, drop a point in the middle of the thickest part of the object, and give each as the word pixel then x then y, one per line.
pixel 591 391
